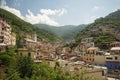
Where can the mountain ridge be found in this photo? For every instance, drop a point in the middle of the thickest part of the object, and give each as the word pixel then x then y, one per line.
pixel 66 31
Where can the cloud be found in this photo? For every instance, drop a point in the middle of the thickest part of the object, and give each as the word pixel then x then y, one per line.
pixel 95 8
pixel 58 12
pixel 14 11
pixel 42 17
pixel 39 18
pixel 16 4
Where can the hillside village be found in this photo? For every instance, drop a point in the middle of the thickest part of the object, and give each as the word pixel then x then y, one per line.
pixel 96 62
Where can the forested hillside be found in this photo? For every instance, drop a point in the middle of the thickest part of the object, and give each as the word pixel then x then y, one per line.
pixel 20 26
pixel 104 30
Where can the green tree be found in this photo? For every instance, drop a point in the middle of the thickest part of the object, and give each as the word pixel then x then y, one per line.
pixel 25 66
pixel 8 57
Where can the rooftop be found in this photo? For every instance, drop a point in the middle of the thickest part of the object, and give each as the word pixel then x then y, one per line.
pixel 93 48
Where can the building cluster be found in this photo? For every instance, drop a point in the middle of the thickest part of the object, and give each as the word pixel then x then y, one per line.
pixel 84 55
pixel 38 48
pixel 92 55
pixel 7 38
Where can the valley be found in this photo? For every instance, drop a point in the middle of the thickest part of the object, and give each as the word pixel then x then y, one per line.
pixel 71 52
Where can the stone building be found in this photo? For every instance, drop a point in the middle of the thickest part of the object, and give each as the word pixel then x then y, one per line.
pixel 28 46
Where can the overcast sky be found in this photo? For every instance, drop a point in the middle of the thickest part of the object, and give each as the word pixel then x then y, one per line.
pixel 60 12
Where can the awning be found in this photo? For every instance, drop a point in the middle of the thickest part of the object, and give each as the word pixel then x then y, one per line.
pixel 115 48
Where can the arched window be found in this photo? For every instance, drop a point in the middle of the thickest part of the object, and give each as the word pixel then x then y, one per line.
pixel 29 54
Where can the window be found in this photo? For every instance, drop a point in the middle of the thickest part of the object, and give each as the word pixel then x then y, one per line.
pixel 103 74
pixel 3 19
pixel 29 54
pixel 116 71
pixel 37 53
pixel 1 39
pixel 116 58
pixel 109 58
